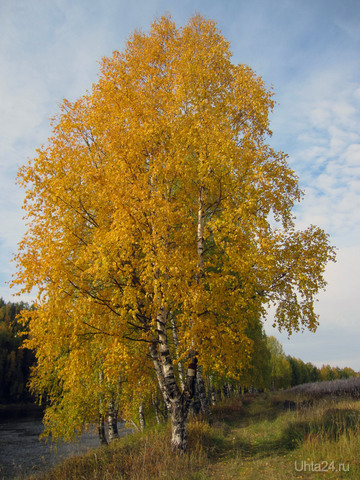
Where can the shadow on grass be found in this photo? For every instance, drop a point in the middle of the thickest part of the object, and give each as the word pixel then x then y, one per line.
pixel 227 420
pixel 330 425
pixel 247 410
pixel 231 447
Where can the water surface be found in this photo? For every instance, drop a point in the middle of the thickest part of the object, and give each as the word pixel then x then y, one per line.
pixel 21 452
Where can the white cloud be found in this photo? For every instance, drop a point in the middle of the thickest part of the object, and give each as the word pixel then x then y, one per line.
pixel 319 127
pixel 323 129
pixel 335 341
pixel 341 299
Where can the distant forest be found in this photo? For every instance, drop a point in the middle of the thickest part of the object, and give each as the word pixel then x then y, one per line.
pixel 279 371
pixel 15 362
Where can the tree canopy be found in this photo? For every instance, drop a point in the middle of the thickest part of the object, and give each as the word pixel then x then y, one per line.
pixel 158 206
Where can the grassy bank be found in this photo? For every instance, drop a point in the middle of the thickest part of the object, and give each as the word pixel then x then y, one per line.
pixel 276 437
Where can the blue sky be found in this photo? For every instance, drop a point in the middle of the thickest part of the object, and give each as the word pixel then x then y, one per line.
pixel 308 50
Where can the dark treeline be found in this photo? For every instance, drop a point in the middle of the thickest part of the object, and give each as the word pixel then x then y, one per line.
pixel 270 369
pixel 287 371
pixel 307 372
pixel 15 362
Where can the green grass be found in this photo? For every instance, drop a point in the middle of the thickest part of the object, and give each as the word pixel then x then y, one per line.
pixel 276 443
pixel 256 437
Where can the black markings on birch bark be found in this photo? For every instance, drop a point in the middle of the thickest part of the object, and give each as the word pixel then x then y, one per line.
pixel 101 424
pixel 113 410
pixel 176 344
pixel 200 401
pixel 200 232
pixel 165 358
pixel 141 416
pixel 177 402
pixel 101 430
pixel 159 373
pixel 212 391
pixel 112 415
pixel 156 404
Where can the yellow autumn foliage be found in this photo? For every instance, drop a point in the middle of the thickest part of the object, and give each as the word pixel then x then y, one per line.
pixel 155 194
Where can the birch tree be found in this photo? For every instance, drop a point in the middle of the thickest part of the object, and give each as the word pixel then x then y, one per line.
pixel 158 206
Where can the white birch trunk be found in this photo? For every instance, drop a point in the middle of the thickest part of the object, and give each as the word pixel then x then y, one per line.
pixel 112 421
pixel 101 430
pixel 180 410
pixel 204 404
pixel 213 399
pixel 101 424
pixel 177 402
pixel 141 416
pixel 200 233
pixel 176 344
pixel 155 402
